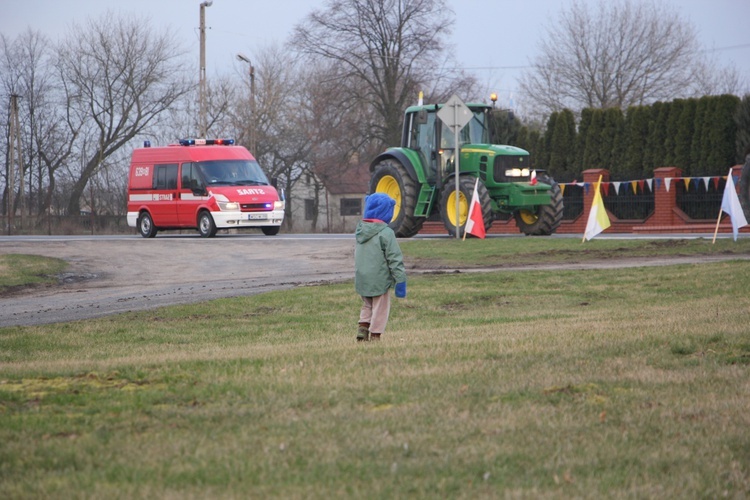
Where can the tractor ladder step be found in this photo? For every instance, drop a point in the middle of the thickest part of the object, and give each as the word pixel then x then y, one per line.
pixel 424 201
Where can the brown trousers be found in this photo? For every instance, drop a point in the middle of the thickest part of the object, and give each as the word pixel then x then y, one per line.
pixel 375 311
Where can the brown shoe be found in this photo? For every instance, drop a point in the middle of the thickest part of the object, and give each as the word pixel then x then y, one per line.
pixel 363 334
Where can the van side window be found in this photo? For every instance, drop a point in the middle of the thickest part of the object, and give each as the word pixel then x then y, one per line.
pixel 165 177
pixel 191 179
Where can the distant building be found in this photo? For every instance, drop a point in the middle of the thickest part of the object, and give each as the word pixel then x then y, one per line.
pixel 330 199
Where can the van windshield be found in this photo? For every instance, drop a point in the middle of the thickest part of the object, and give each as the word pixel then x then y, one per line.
pixel 232 173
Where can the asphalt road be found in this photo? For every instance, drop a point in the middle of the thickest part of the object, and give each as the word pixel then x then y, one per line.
pixel 117 274
pixel 114 274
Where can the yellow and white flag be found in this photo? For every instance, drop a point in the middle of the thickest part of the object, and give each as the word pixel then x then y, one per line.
pixel 598 218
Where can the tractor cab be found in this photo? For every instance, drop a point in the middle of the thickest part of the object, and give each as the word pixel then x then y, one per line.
pixel 436 144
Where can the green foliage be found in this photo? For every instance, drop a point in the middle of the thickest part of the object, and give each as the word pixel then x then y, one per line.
pixel 543 158
pixel 670 137
pixel 722 135
pixel 636 137
pixel 657 135
pixel 583 129
pixel 742 121
pixel 684 136
pixel 612 142
pixel 504 127
pixel 592 157
pixel 700 136
pixel 562 151
pixel 698 151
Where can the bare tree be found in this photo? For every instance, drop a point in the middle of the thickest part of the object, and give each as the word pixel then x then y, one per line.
pixel 385 51
pixel 623 53
pixel 121 76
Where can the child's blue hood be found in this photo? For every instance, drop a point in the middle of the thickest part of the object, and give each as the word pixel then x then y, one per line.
pixel 379 206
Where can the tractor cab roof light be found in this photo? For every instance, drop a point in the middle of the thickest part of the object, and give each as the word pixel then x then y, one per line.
pixel 206 142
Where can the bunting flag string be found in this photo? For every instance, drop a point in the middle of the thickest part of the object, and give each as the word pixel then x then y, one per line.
pixel 654 184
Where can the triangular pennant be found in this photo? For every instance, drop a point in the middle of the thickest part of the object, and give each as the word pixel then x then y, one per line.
pixel 641 183
pixel 562 189
pixel 706 180
pixel 716 182
pixel 650 183
pixel 605 187
pixel 617 187
pixel 658 183
pixel 634 185
pixel 686 180
pixel 667 182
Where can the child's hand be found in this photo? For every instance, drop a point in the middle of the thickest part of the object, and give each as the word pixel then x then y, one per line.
pixel 401 290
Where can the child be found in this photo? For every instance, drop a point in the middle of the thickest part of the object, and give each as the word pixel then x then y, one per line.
pixel 378 266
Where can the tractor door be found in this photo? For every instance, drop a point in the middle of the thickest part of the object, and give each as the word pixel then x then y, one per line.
pixel 421 138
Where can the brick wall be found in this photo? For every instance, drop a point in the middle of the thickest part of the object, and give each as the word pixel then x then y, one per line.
pixel 667 217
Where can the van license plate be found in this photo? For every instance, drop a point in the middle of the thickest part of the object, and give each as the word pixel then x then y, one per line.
pixel 256 216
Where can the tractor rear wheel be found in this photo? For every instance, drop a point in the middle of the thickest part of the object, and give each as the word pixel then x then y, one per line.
pixel 547 218
pixel 465 192
pixel 745 188
pixel 391 178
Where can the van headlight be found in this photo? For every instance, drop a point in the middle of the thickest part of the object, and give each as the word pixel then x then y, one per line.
pixel 278 205
pixel 228 206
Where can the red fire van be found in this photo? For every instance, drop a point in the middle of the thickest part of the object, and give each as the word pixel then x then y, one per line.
pixel 204 184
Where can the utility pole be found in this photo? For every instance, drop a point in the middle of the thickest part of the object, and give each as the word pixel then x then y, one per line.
pixel 244 58
pixel 15 142
pixel 202 78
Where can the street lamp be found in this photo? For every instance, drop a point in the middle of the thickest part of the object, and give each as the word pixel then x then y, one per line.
pixel 202 79
pixel 245 59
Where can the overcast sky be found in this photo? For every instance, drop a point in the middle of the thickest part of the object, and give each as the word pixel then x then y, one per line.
pixel 494 39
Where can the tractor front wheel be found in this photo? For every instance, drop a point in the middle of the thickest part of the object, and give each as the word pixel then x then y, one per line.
pixel 465 192
pixel 391 178
pixel 546 219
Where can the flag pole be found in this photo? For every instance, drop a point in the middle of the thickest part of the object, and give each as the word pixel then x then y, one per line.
pixel 598 183
pixel 716 231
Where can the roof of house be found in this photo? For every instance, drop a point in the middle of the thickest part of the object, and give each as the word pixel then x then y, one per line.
pixel 345 179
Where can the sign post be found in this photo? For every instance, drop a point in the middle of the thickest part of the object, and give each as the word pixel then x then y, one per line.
pixel 456 115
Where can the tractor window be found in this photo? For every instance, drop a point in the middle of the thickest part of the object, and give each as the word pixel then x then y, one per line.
pixel 477 129
pixel 473 133
pixel 421 138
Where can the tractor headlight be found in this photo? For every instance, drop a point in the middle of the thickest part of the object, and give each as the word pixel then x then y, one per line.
pixel 278 205
pixel 517 172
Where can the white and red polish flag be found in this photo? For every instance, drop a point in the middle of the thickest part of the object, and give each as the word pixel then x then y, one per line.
pixel 475 222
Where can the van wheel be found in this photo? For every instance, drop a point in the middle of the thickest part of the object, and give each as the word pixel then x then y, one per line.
pixel 270 230
pixel 206 225
pixel 146 226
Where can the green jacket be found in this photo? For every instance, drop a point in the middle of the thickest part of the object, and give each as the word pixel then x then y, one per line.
pixel 378 261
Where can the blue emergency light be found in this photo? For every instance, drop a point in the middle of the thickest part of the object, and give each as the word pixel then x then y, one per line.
pixel 206 142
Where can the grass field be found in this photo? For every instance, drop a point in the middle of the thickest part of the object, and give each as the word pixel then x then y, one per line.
pixel 599 383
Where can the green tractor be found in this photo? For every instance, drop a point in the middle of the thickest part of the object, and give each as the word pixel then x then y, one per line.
pixel 420 176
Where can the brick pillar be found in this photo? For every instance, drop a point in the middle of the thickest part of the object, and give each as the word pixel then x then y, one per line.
pixel 665 201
